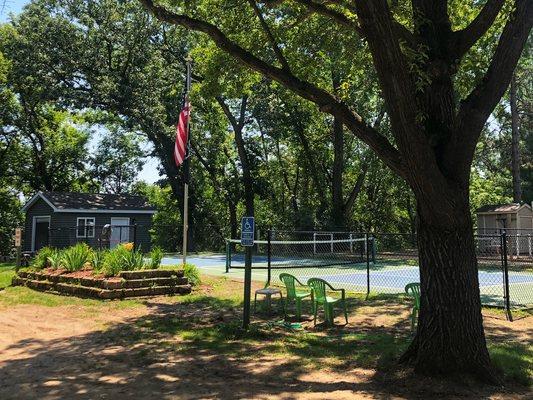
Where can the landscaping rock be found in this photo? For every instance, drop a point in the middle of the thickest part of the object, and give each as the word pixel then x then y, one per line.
pixel 133 284
pixel 150 273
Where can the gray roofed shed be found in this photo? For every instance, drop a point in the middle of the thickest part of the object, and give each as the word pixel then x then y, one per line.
pixel 62 219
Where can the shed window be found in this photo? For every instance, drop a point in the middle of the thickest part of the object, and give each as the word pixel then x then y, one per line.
pixel 85 227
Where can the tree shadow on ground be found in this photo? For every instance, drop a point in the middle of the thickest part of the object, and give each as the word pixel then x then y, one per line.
pixel 197 350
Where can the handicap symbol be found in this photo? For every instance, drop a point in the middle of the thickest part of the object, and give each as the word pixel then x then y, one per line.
pixel 247 226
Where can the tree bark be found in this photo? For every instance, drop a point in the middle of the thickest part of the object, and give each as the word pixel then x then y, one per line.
pixel 515 144
pixel 450 337
pixel 232 208
pixel 337 209
pixel 238 126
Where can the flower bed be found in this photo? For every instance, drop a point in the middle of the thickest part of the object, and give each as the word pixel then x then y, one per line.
pixel 87 284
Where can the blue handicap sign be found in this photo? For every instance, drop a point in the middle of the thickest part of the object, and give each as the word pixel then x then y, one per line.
pixel 247 231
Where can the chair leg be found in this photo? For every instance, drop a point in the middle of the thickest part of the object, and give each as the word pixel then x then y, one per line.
pixel 255 302
pixel 413 319
pixel 299 309
pixel 331 317
pixel 326 313
pixel 315 311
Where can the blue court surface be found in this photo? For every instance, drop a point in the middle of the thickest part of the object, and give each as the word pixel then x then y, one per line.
pixel 383 278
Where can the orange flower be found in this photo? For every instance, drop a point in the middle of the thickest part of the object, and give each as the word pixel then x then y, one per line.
pixel 128 246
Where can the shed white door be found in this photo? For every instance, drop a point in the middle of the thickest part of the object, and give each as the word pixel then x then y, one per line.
pixel 120 231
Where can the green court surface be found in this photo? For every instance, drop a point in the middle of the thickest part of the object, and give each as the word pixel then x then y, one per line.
pixel 386 276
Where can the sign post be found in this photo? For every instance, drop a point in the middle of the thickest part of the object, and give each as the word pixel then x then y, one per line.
pixel 18 243
pixel 247 240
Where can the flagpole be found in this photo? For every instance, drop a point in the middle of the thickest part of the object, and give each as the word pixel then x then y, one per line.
pixel 186 168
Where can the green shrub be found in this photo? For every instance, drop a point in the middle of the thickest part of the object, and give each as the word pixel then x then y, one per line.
pixel 192 274
pixel 133 260
pixel 121 259
pixel 156 255
pixel 41 258
pixel 112 262
pixel 74 258
pixel 98 259
pixel 54 259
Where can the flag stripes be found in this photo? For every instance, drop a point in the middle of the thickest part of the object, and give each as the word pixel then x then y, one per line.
pixel 180 146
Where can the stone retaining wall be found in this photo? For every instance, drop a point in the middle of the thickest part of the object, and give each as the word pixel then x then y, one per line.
pixel 129 284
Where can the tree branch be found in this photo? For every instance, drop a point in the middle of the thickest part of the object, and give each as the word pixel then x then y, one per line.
pixel 227 112
pixel 350 201
pixel 279 54
pixel 476 108
pixel 331 13
pixel 467 37
pixel 324 100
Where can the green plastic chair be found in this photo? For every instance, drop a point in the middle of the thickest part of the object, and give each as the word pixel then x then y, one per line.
pixel 413 290
pixel 293 294
pixel 319 289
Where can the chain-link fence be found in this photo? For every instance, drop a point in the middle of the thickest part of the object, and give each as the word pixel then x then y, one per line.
pixel 100 236
pixel 385 262
pixel 205 238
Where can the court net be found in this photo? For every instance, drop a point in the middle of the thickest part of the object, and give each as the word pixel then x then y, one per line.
pixel 289 254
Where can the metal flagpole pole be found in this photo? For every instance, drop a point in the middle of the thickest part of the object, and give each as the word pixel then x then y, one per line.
pixel 186 168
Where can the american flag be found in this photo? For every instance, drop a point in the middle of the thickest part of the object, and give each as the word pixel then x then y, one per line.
pixel 180 146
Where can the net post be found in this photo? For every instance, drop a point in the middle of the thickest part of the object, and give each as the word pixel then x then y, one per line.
pixel 367 266
pixel 228 255
pixel 269 256
pixel 374 249
pixel 331 244
pixel 351 243
pixel 506 278
pixel 314 242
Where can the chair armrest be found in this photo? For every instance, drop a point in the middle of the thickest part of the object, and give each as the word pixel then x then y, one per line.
pixel 343 291
pixel 300 283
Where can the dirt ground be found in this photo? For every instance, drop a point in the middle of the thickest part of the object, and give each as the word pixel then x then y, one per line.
pixel 68 352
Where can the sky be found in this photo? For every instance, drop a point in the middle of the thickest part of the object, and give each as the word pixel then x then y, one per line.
pixel 10 6
pixel 149 172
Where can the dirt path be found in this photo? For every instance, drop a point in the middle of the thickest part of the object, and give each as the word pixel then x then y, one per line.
pixel 68 352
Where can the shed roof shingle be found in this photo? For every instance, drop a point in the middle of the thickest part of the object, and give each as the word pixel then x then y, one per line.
pixel 97 201
pixel 500 208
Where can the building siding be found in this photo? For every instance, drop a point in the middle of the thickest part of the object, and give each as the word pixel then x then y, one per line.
pixel 37 209
pixel 63 227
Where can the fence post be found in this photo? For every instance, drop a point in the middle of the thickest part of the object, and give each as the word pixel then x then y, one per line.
pixel 367 266
pixel 228 255
pixel 269 256
pixel 506 278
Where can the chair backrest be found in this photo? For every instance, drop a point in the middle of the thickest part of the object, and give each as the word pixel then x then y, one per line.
pixel 413 289
pixel 319 288
pixel 290 284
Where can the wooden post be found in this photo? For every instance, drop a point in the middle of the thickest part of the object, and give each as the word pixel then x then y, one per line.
pixel 18 243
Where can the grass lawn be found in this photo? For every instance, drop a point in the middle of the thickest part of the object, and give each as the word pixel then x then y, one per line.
pixel 7 270
pixel 193 347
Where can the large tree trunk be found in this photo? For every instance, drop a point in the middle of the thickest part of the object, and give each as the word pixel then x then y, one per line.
pixel 515 145
pixel 450 337
pixel 337 209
